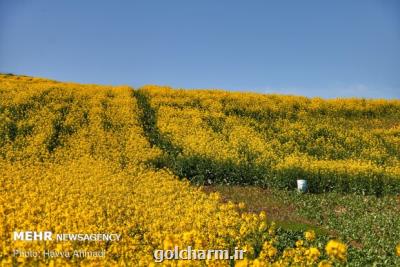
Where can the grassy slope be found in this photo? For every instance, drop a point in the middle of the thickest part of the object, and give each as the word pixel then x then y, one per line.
pixel 370 225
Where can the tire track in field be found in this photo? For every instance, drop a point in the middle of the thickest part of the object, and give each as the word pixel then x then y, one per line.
pixel 197 168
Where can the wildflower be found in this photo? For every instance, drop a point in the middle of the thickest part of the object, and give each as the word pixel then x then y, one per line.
pixel 268 251
pixel 313 253
pixel 398 250
pixel 263 215
pixel 309 235
pixel 325 263
pixel 241 205
pixel 299 243
pixel 336 250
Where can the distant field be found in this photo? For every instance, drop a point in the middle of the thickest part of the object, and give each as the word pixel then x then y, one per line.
pixel 343 145
pixel 98 159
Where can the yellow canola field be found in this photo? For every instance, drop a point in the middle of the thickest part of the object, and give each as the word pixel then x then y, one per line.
pixel 73 159
pixel 345 145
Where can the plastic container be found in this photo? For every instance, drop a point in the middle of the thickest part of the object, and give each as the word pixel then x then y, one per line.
pixel 302 186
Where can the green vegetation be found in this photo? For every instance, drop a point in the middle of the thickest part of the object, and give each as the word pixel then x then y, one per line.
pixel 369 225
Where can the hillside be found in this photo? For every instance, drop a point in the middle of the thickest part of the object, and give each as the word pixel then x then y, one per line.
pixel 164 167
pixel 346 145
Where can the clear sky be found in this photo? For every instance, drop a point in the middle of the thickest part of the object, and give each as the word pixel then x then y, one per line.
pixel 315 48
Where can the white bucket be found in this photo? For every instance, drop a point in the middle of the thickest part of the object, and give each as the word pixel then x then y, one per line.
pixel 302 186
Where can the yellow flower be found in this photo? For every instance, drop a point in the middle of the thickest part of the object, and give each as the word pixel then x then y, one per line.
pixel 299 243
pixel 249 250
pixel 325 263
pixel 263 215
pixel 309 235
pixel 398 250
pixel 242 263
pixel 263 226
pixel 268 251
pixel 241 205
pixel 313 253
pixel 336 250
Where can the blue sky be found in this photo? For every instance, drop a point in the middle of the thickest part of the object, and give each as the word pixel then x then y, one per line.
pixel 336 48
